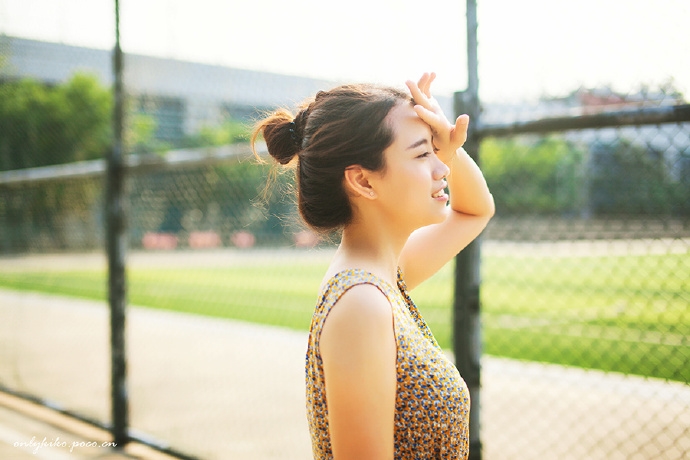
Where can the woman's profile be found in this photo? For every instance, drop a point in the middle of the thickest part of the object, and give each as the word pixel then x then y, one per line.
pixel 374 163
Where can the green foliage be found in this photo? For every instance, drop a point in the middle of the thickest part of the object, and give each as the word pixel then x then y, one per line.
pixel 551 176
pixel 229 132
pixel 42 125
pixel 237 195
pixel 540 177
pixel 140 134
pixel 628 179
pixel 47 125
pixel 266 207
pixel 142 127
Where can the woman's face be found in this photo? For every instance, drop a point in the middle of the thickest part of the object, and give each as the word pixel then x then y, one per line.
pixel 410 189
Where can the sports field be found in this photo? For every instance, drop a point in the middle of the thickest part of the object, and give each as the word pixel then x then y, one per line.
pixel 625 311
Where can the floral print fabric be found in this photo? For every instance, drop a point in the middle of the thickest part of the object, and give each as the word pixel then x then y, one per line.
pixel 432 401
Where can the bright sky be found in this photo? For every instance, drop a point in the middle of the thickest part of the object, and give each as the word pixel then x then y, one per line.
pixel 527 47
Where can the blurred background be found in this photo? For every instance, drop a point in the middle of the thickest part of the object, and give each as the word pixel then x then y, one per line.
pixel 585 270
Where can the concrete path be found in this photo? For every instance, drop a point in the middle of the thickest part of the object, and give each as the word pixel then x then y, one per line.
pixel 32 432
pixel 221 389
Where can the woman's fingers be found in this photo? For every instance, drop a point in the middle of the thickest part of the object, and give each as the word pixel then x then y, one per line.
pixel 425 83
pixel 462 122
pixel 421 91
pixel 418 95
pixel 459 132
pixel 430 117
pixel 446 134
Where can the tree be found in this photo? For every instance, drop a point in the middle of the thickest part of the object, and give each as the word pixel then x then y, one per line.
pixel 539 177
pixel 44 125
pixel 629 179
pixel 231 131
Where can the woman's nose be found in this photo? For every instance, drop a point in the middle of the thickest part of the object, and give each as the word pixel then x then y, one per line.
pixel 440 170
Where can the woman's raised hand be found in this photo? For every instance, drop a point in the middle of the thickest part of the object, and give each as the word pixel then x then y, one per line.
pixel 447 138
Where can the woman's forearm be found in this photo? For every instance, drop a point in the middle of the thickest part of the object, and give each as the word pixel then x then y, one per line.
pixel 469 193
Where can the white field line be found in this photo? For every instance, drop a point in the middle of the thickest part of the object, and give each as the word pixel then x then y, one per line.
pixel 567 328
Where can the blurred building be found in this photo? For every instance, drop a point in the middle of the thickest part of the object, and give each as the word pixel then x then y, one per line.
pixel 181 96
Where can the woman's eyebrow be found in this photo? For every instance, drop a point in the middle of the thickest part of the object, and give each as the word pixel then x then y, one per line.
pixel 418 143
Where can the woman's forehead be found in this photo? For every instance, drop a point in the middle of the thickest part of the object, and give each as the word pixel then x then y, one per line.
pixel 406 123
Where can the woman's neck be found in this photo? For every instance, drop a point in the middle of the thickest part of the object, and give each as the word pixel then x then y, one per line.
pixel 375 248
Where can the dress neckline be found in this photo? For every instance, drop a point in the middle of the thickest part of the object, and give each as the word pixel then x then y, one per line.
pixel 361 271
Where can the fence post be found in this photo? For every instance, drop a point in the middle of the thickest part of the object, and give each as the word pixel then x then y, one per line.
pixel 466 319
pixel 115 245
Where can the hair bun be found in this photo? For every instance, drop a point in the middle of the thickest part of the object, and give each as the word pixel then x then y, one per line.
pixel 280 131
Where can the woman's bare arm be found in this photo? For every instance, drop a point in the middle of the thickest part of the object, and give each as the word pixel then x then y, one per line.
pixel 471 207
pixel 358 349
pixel 471 204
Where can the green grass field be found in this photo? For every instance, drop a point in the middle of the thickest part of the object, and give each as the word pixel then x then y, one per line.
pixel 627 314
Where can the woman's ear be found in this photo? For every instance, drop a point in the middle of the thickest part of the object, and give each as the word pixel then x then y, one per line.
pixel 357 182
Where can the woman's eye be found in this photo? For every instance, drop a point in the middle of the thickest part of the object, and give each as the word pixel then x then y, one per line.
pixel 424 155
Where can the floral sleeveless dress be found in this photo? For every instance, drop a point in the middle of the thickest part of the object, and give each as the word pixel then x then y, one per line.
pixel 432 402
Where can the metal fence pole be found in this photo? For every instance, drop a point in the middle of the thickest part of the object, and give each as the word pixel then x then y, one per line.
pixel 115 244
pixel 466 320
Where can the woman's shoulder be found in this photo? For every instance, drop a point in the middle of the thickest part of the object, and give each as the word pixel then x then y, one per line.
pixel 364 301
pixel 358 293
pixel 362 314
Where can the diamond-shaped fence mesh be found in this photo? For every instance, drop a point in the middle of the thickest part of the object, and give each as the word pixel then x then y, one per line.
pixel 586 271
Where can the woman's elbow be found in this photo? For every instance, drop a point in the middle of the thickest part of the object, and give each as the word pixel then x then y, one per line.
pixel 490 207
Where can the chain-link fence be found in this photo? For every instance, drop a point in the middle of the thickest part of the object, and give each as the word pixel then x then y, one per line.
pixel 591 272
pixel 585 270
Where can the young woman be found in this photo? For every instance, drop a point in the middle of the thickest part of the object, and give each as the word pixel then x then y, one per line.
pixel 374 163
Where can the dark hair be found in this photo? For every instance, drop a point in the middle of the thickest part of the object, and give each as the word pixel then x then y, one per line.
pixel 339 128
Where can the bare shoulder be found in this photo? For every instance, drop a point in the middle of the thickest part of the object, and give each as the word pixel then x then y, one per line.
pixel 362 317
